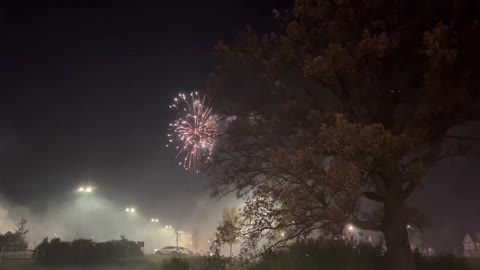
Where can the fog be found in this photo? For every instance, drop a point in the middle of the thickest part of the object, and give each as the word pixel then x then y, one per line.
pixel 91 216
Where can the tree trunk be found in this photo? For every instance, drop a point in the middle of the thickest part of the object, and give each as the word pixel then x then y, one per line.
pixel 399 255
pixel 230 249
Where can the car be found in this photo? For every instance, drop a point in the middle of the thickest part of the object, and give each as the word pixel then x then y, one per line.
pixel 173 250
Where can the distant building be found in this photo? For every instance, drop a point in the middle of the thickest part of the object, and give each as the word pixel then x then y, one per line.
pixel 417 243
pixel 471 245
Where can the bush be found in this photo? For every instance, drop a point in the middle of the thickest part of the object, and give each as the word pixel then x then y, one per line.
pixel 318 255
pixel 175 264
pixel 84 251
pixel 215 262
pixel 337 255
pixel 440 263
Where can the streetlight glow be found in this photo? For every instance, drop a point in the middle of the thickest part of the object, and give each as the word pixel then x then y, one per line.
pixel 88 189
pixel 350 227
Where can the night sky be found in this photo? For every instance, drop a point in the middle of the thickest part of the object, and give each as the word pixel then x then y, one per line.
pixel 84 98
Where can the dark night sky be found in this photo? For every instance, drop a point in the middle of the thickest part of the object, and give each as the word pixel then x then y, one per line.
pixel 85 92
pixel 86 88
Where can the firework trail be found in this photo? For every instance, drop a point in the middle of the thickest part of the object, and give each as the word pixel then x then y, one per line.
pixel 194 131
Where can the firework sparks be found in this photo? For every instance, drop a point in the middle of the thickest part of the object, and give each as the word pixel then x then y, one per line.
pixel 194 131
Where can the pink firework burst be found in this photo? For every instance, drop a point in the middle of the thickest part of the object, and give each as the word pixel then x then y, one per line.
pixel 194 131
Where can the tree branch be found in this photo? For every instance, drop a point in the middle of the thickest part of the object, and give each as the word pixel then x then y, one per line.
pixel 409 189
pixel 368 225
pixel 462 138
pixel 374 196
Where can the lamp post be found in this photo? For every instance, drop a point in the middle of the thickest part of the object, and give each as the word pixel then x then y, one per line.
pixel 130 210
pixel 352 231
pixel 178 233
pixel 412 229
pixel 83 190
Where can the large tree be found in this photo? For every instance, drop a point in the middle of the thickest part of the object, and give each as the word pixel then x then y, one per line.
pixel 16 240
pixel 347 104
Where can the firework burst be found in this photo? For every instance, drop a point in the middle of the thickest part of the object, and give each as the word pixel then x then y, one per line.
pixel 194 131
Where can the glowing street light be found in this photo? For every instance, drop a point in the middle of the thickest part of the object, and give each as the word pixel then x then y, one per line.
pixel 168 227
pixel 84 190
pixel 130 210
pixel 87 189
pixel 350 228
pixel 154 220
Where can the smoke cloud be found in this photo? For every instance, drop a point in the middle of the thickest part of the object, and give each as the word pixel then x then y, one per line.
pixel 94 217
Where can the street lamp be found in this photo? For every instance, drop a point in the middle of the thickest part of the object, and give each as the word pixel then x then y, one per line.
pixel 353 234
pixel 130 210
pixel 154 220
pixel 84 190
pixel 87 189
pixel 414 232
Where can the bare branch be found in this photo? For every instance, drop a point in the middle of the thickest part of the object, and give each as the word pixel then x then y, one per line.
pixel 409 189
pixel 374 196
pixel 368 225
pixel 462 138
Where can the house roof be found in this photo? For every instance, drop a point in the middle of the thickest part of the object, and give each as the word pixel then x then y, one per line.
pixel 472 237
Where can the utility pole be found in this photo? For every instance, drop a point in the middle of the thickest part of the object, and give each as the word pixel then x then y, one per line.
pixel 177 238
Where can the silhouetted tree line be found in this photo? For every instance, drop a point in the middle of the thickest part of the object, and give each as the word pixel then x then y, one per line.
pixel 83 251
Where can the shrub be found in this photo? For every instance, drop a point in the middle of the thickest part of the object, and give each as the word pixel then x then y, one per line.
pixel 215 262
pixel 175 264
pixel 311 255
pixel 440 263
pixel 319 255
pixel 84 251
